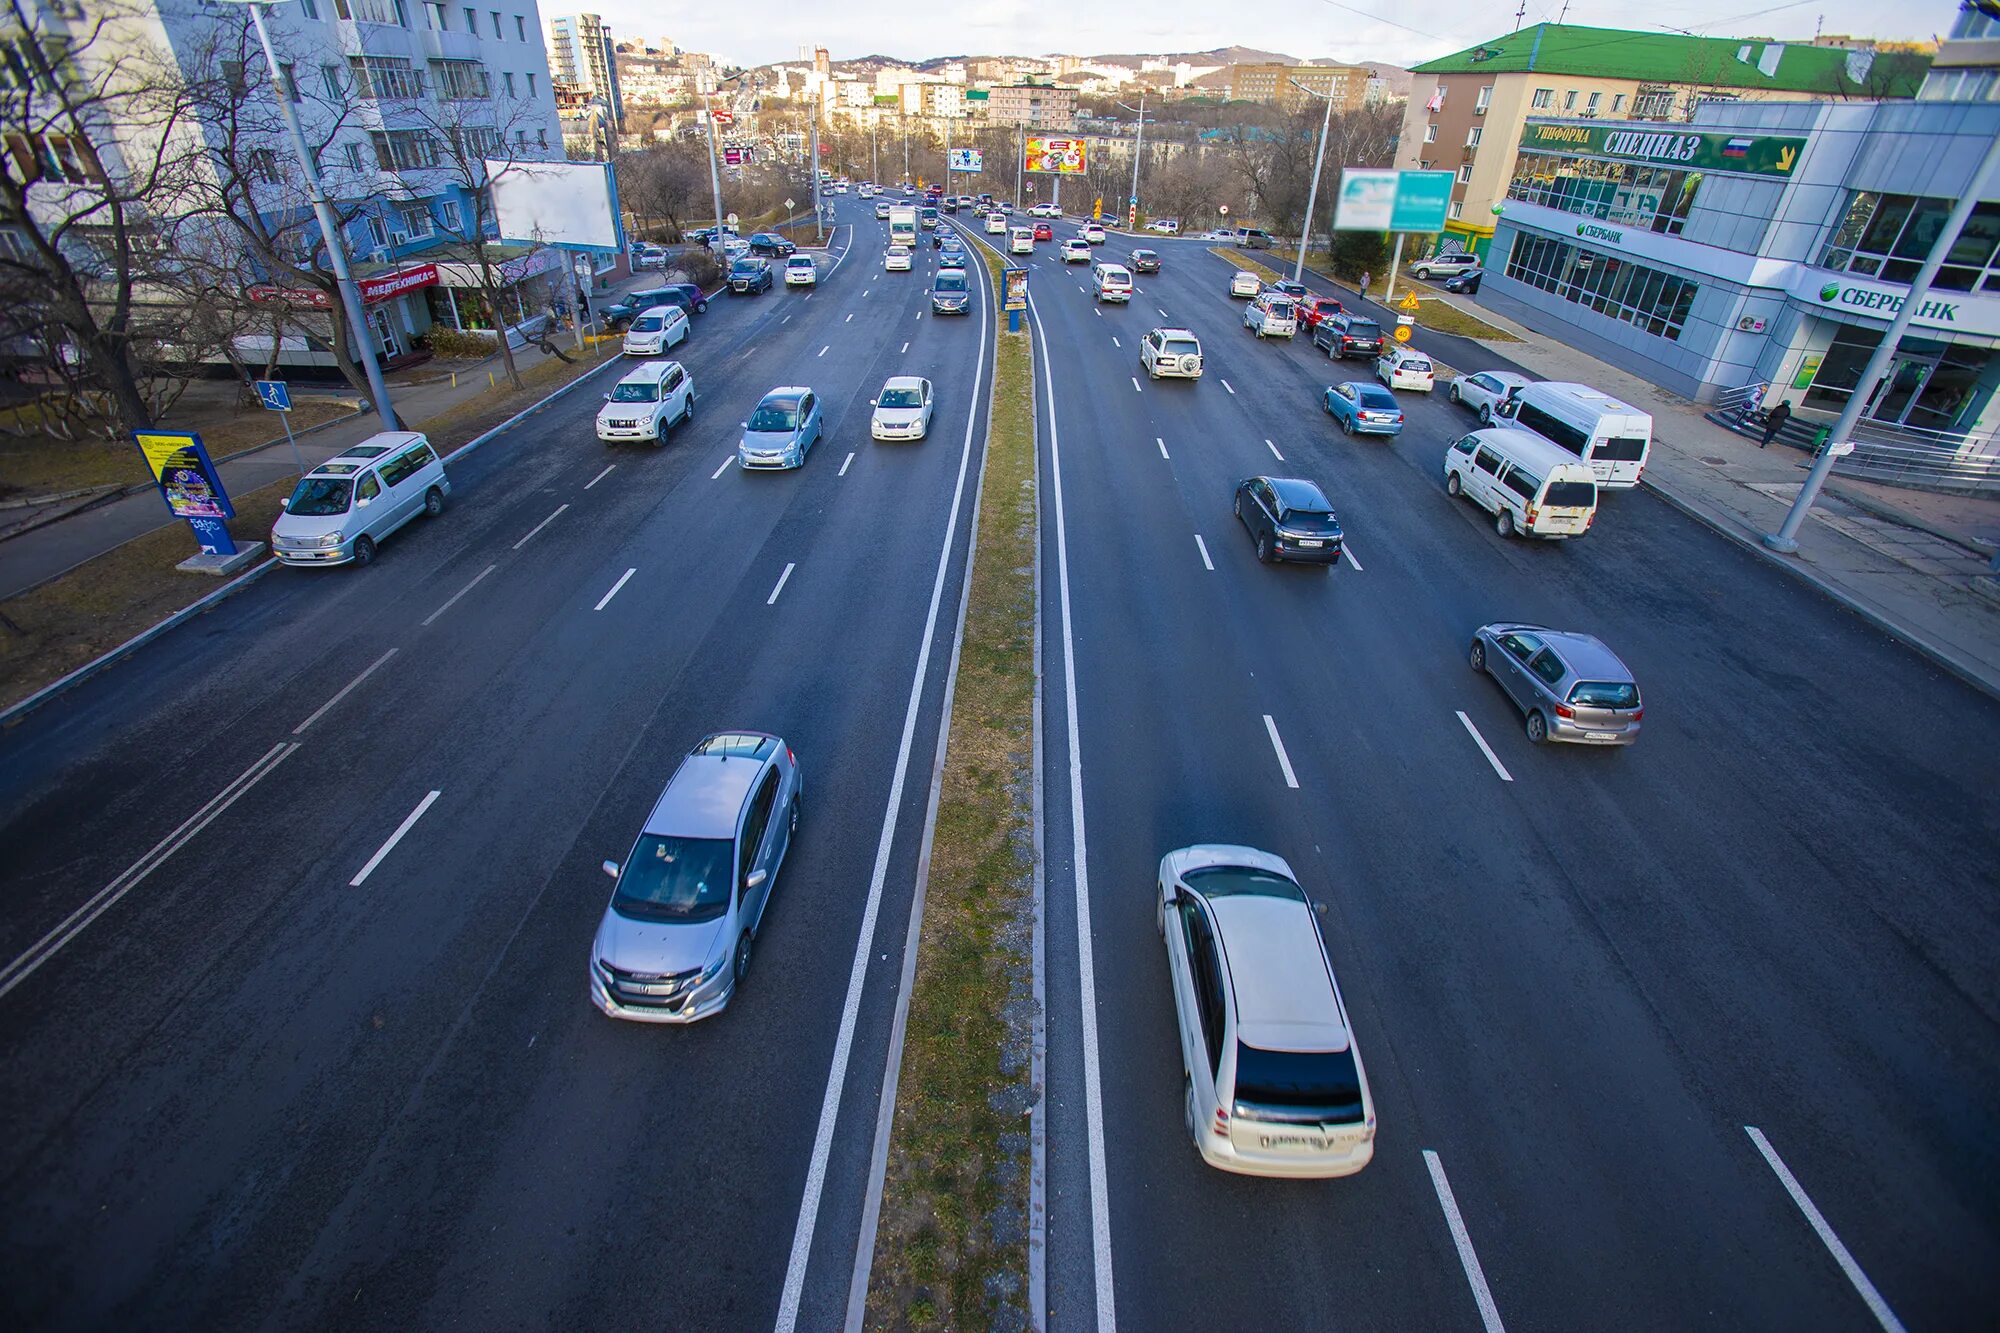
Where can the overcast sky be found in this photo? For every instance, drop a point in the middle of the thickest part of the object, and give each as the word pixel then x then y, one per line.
pixel 1402 32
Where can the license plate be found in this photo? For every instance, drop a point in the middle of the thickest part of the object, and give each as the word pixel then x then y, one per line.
pixel 1308 541
pixel 1602 735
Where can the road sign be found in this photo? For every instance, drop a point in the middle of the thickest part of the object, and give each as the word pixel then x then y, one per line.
pixel 732 219
pixel 1402 333
pixel 1409 301
pixel 1406 319
pixel 276 395
pixel 732 157
pixel 723 116
pixel 1841 450
pixel 790 204
pixel 1392 200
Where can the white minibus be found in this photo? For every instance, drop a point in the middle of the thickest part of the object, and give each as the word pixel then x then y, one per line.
pixel 1612 437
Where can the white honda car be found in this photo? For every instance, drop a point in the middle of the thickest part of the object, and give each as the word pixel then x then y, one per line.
pixel 902 410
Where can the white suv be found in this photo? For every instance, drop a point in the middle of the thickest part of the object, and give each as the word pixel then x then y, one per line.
pixel 1443 266
pixel 801 271
pixel 1170 352
pixel 1272 1084
pixel 644 404
pixel 1044 210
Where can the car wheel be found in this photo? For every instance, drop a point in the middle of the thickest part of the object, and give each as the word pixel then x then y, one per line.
pixel 1452 485
pixel 1239 505
pixel 1264 549
pixel 1454 394
pixel 740 964
pixel 433 502
pixel 1478 655
pixel 687 413
pixel 1503 523
pixel 1346 426
pixel 1538 727
pixel 364 550
pixel 701 307
pixel 1486 414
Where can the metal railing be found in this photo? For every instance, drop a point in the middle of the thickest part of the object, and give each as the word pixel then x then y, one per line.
pixel 1926 467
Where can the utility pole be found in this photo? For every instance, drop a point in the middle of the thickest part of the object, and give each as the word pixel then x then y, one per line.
pixel 819 218
pixel 1138 146
pixel 1020 163
pixel 714 172
pixel 1312 194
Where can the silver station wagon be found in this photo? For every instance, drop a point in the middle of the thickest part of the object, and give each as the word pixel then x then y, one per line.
pixel 1569 686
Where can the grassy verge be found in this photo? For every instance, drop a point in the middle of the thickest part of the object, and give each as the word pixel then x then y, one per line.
pixel 951 1245
pixel 1433 311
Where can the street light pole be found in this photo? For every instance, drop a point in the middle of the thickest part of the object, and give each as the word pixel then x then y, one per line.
pixel 1312 194
pixel 1138 147
pixel 1020 162
pixel 329 227
pixel 714 172
pixel 819 218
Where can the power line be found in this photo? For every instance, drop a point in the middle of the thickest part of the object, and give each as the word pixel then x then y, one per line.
pixel 1377 18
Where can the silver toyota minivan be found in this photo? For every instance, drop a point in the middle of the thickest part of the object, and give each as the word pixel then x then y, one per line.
pixel 342 509
pixel 675 940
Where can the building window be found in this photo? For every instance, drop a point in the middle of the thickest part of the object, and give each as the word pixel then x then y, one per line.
pixel 449 215
pixel 1423 164
pixel 62 159
pixel 288 79
pixel 1457 209
pixel 520 27
pixel 14 247
pixel 385 78
pixel 543 136
pixel 461 80
pixel 1637 195
pixel 531 83
pixel 378 233
pixel 1617 103
pixel 373 11
pixel 1590 107
pixel 1960 85
pixel 1569 100
pixel 498 36
pixel 471 21
pixel 436 13
pixel 1485 100
pixel 354 157
pixel 1646 298
pixel 330 76
pixel 414 221
pixel 1472 136
pixel 1657 105
pixel 311 9
pixel 1465 174
pixel 1542 99
pixel 403 150
pixel 508 78
pixel 1887 236
pixel 476 141
pixel 1431 132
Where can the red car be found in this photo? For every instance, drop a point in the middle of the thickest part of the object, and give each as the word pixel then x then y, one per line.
pixel 1313 309
pixel 1044 232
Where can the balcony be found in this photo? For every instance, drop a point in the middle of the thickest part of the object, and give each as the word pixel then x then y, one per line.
pixel 437 45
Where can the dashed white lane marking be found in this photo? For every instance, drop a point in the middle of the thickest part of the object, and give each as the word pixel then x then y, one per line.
pixel 1135 385
pixel 539 526
pixel 1869 1296
pixel 1225 384
pixel 1163 314
pixel 772 600
pixel 866 290
pixel 345 690
pixel 1202 546
pixel 460 593
pixel 1468 1258
pixel 1115 342
pixel 1163 447
pixel 1274 451
pixel 1095 311
pixel 605 600
pixel 722 469
pixel 609 469
pixel 849 319
pixel 824 350
pixel 1486 749
pixel 1347 553
pixel 844 462
pixel 409 822
pixel 1284 760
pixel 786 320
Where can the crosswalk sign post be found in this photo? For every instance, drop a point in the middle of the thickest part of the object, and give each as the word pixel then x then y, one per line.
pixel 276 396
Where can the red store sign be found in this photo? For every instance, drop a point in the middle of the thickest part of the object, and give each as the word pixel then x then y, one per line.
pixel 379 288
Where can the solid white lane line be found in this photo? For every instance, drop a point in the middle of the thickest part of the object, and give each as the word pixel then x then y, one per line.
pixel 1225 384
pixel 23 967
pixel 906 347
pixel 724 468
pixel 1135 385
pixel 1348 553
pixel 539 526
pixel 843 464
pixel 864 944
pixel 1468 1258
pixel 1202 546
pixel 1163 446
pixel 600 476
pixel 824 350
pixel 345 690
pixel 1284 760
pixel 460 593
pixel 1486 749
pixel 605 600
pixel 1086 966
pixel 772 600
pixel 1274 451
pixel 1869 1296
pixel 409 822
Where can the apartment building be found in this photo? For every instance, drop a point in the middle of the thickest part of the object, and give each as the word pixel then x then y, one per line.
pixel 580 53
pixel 1467 110
pixel 1035 104
pixel 1274 85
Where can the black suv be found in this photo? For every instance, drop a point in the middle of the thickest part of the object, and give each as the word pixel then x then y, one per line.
pixel 1145 261
pixel 770 243
pixel 749 275
pixel 630 306
pixel 1343 335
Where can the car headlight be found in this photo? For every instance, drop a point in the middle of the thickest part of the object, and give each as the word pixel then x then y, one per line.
pixel 331 538
pixel 714 966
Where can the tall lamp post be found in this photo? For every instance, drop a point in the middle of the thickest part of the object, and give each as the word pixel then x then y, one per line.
pixel 714 159
pixel 1312 194
pixel 329 228
pixel 1138 147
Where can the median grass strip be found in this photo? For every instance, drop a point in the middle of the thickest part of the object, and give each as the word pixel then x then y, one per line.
pixel 951 1245
pixel 1433 312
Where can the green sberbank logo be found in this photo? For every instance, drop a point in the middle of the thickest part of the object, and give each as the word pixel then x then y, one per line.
pixel 1591 231
pixel 1828 292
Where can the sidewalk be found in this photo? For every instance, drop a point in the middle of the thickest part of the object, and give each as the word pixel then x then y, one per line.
pixel 40 554
pixel 1914 563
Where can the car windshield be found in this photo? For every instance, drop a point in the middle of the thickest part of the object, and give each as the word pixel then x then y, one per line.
pixel 1374 395
pixel 774 416
pixel 1325 1081
pixel 1181 347
pixel 1571 495
pixel 636 393
pixel 799 261
pixel 675 879
pixel 901 398
pixel 950 282
pixel 1239 881
pixel 318 497
pixel 745 266
pixel 648 324
pixel 1605 694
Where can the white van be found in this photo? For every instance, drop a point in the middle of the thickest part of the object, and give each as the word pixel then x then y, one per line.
pixel 646 402
pixel 1022 241
pixel 341 509
pixel 1533 488
pixel 1612 437
pixel 1112 281
pixel 996 223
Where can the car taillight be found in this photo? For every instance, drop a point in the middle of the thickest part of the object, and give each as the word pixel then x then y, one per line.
pixel 1222 1122
pixel 1638 713
pixel 1531 516
pixel 1399 418
pixel 1564 710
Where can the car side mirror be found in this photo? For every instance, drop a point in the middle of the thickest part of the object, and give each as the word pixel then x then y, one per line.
pixel 607 397
pixel 757 877
pixel 611 868
pixel 743 425
pixel 363 504
pixel 1173 898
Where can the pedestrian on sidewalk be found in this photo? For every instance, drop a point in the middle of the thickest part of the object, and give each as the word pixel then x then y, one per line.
pixel 1366 278
pixel 1774 421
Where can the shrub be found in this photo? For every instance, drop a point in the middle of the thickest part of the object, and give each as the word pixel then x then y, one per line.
pixel 460 345
pixel 698 266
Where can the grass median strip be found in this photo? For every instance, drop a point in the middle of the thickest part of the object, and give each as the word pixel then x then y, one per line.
pixel 951 1248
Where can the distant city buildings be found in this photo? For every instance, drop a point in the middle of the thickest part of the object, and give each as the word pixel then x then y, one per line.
pixel 1278 85
pixel 580 54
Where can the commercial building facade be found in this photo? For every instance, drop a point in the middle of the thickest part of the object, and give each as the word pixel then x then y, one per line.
pixel 1766 243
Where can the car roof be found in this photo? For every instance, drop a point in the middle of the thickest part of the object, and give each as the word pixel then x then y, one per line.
pixel 705 796
pixel 1283 985
pixel 367 451
pixel 786 393
pixel 798 259
pixel 1177 333
pixel 1530 449
pixel 903 382
pixel 1587 655
pixel 1299 493
pixel 661 310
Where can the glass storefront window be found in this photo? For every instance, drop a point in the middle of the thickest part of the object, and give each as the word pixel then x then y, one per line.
pixel 1642 296
pixel 1637 195
pixel 1929 384
pixel 1888 236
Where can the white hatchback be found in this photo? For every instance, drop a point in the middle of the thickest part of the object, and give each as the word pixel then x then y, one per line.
pixel 656 330
pixel 1405 368
pixel 897 260
pixel 1245 283
pixel 1485 391
pixel 1093 233
pixel 1075 251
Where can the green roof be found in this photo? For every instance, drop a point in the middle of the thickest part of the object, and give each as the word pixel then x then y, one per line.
pixel 1666 57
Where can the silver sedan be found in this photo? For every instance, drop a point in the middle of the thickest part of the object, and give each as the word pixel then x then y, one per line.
pixel 1568 686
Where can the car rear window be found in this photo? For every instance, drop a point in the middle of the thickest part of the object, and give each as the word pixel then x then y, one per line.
pixel 1620 449
pixel 1571 494
pixel 1327 1082
pixel 1605 694
pixel 1375 396
pixel 1180 347
pixel 1363 328
pixel 1280 309
pixel 1415 364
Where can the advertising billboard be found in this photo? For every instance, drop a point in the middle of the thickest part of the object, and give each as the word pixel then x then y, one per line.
pixel 572 205
pixel 1373 200
pixel 966 159
pixel 190 486
pixel 1056 157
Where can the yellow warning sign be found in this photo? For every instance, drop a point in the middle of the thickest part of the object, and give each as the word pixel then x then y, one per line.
pixel 1402 333
pixel 1409 301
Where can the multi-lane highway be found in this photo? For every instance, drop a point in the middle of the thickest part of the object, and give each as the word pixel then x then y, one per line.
pixel 1579 978
pixel 298 899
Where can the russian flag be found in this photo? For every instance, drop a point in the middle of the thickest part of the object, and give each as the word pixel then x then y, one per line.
pixel 1736 148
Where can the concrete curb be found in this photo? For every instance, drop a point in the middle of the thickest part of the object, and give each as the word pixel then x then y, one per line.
pixel 1972 674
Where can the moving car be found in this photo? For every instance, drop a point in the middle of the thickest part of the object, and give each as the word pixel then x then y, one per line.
pixel 1175 352
pixel 1313 308
pixel 783 429
pixel 1288 518
pixel 1343 335
pixel 1444 265
pixel 1021 242
pixel 1145 261
pixel 1614 437
pixel 882 209
pixel 1076 251
pixel 1253 238
pixel 674 942
pixel 1112 282
pixel 1568 686
pixel 1044 232
pixel 644 404
pixel 629 307
pixel 1273 1083
pixel 996 223
pixel 801 271
pixel 1532 487
pixel 1405 368
pixel 657 330
pixel 770 243
pixel 647 255
pixel 896 259
pixel 1271 316
pixel 1245 283
pixel 1093 233
pixel 1486 390
pixel 951 292
pixel 1165 226
pixel 902 409
pixel 1465 280
pixel 343 508
pixel 1044 210
pixel 749 276
pixel 1362 408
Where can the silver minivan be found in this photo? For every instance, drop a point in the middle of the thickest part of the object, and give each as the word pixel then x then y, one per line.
pixel 342 509
pixel 674 942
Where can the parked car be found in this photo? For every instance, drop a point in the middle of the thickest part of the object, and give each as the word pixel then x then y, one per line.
pixel 1075 250
pixel 1444 265
pixel 1568 686
pixel 342 509
pixel 951 292
pixel 1044 210
pixel 1145 261
pixel 646 255
pixel 1485 391
pixel 1343 335
pixel 629 307
pixel 1175 352
pixel 1271 316
pixel 896 259
pixel 1044 232
pixel 1313 308
pixel 1245 283
pixel 1405 368
pixel 1273 1081
pixel 1532 488
pixel 1466 281
pixel 748 276
pixel 660 329
pixel 1165 226
pixel 1298 291
pixel 1093 233
pixel 770 243
pixel 705 235
pixel 902 409
pixel 783 429
pixel 648 401
pixel 674 943
pixel 801 271
pixel 733 250
pixel 1361 408
pixel 1289 518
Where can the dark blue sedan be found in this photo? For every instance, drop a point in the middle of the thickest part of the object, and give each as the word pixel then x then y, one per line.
pixel 1364 409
